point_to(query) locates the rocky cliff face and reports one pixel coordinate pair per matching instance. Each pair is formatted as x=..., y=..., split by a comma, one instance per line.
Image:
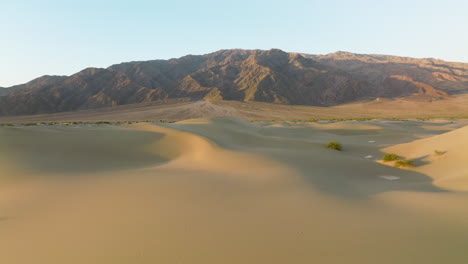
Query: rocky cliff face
x=242, y=75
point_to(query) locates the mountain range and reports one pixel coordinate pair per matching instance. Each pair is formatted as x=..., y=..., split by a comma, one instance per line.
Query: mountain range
x=271, y=76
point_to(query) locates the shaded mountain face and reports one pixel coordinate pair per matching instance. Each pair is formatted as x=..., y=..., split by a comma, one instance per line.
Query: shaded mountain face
x=4, y=91
x=43, y=81
x=242, y=75
x=393, y=76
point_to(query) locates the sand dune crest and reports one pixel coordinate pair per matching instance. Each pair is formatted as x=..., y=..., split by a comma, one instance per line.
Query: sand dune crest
x=449, y=168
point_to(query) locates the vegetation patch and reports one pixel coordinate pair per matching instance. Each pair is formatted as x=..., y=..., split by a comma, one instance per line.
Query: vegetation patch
x=439, y=152
x=334, y=145
x=70, y=123
x=404, y=163
x=102, y=123
x=390, y=157
x=313, y=120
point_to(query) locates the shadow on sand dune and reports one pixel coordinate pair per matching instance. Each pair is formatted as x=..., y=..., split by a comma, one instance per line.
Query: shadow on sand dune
x=79, y=150
x=356, y=179
x=340, y=173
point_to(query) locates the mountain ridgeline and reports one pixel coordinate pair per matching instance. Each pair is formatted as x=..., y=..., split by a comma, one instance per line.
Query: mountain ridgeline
x=242, y=75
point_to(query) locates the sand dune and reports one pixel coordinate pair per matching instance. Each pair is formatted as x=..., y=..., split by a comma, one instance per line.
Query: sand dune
x=448, y=167
x=226, y=191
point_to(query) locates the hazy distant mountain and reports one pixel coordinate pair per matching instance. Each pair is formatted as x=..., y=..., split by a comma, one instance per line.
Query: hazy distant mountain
x=242, y=75
x=4, y=91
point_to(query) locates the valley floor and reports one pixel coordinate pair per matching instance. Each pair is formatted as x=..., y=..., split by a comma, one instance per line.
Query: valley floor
x=224, y=190
x=177, y=110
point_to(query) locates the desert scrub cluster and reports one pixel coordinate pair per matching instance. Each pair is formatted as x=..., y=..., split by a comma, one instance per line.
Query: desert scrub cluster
x=404, y=163
x=390, y=157
x=70, y=123
x=102, y=123
x=439, y=152
x=334, y=145
x=398, y=161
x=313, y=120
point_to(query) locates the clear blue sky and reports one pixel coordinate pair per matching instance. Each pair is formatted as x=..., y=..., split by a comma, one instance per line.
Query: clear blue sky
x=63, y=37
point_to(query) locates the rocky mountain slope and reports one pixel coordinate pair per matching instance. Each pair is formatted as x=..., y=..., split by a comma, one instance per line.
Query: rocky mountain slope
x=241, y=75
x=389, y=72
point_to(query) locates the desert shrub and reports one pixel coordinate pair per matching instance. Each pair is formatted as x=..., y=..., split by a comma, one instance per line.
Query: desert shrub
x=390, y=157
x=439, y=152
x=102, y=123
x=404, y=163
x=6, y=124
x=334, y=145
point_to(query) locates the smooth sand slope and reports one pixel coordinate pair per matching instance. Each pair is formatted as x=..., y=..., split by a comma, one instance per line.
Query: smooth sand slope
x=444, y=158
x=228, y=191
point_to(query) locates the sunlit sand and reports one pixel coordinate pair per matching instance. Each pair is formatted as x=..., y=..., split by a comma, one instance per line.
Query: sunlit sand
x=227, y=191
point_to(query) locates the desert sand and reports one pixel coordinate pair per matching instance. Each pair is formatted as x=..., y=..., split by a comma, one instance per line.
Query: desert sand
x=222, y=190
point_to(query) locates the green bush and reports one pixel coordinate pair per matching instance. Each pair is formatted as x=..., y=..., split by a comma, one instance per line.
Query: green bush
x=404, y=163
x=390, y=157
x=334, y=145
x=439, y=152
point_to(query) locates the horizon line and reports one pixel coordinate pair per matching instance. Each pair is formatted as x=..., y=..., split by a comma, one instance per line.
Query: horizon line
x=243, y=49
